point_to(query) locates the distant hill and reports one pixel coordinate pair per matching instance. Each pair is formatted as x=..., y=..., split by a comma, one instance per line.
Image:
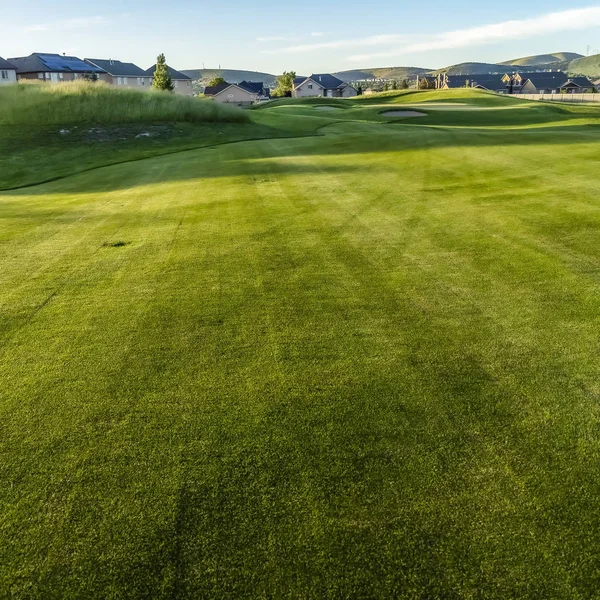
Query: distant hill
x=543, y=59
x=588, y=66
x=203, y=76
x=472, y=68
x=397, y=73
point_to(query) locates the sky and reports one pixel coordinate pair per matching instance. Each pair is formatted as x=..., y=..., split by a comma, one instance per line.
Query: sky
x=308, y=36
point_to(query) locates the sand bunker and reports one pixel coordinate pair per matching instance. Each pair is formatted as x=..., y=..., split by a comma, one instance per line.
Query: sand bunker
x=403, y=113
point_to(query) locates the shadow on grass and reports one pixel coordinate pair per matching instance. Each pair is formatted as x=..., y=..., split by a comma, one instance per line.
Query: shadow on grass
x=253, y=158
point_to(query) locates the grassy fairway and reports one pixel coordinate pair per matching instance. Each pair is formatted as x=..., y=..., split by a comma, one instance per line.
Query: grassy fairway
x=361, y=364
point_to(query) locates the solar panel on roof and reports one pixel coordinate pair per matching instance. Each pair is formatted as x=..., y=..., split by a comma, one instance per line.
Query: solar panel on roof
x=67, y=63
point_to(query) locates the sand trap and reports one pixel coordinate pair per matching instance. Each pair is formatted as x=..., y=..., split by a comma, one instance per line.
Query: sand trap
x=403, y=113
x=326, y=108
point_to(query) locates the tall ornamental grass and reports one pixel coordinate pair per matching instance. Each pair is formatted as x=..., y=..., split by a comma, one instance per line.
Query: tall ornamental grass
x=86, y=102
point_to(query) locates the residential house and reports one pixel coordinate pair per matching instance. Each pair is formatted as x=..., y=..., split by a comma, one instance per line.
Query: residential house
x=546, y=82
x=182, y=84
x=122, y=74
x=240, y=94
x=8, y=72
x=492, y=83
x=322, y=85
x=55, y=68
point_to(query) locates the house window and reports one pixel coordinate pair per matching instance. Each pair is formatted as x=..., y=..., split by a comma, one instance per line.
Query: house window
x=4, y=74
x=139, y=81
x=40, y=76
x=230, y=95
x=119, y=81
x=310, y=86
x=61, y=75
x=176, y=84
x=125, y=80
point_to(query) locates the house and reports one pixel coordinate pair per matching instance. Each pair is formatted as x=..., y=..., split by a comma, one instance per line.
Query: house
x=322, y=85
x=492, y=83
x=578, y=85
x=8, y=72
x=182, y=84
x=122, y=74
x=240, y=94
x=55, y=68
x=546, y=82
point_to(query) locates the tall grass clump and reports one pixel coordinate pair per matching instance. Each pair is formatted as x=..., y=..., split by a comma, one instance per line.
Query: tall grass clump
x=85, y=102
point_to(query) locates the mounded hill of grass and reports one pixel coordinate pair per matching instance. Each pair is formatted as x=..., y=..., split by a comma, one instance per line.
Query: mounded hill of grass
x=588, y=66
x=543, y=59
x=83, y=102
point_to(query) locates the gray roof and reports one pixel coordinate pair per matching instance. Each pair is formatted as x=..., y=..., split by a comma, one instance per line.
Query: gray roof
x=254, y=87
x=4, y=64
x=583, y=82
x=213, y=90
x=329, y=82
x=54, y=63
x=172, y=72
x=488, y=82
x=117, y=68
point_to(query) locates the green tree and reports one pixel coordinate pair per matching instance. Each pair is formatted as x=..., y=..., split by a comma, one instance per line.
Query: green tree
x=162, y=79
x=394, y=85
x=359, y=90
x=216, y=81
x=404, y=84
x=285, y=84
x=424, y=83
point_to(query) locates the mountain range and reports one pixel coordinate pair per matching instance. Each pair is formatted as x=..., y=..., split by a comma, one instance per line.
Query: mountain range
x=569, y=62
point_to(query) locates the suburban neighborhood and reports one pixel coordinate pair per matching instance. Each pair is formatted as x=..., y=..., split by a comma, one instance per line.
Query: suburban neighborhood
x=57, y=68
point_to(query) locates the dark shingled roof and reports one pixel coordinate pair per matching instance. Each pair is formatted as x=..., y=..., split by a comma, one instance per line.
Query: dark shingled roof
x=488, y=82
x=545, y=81
x=172, y=72
x=6, y=66
x=299, y=80
x=329, y=82
x=254, y=87
x=53, y=63
x=583, y=82
x=117, y=68
x=213, y=90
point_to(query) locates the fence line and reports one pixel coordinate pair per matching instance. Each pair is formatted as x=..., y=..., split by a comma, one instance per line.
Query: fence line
x=560, y=97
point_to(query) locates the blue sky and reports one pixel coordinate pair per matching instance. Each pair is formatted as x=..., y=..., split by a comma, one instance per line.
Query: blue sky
x=305, y=36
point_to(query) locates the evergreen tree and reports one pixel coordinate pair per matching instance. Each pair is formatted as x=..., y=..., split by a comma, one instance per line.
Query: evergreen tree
x=394, y=85
x=162, y=79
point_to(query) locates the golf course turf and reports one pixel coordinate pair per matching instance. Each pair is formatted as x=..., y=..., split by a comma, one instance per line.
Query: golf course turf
x=357, y=358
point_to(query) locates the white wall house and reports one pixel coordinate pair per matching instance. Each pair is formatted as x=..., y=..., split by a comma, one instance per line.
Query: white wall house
x=8, y=72
x=323, y=85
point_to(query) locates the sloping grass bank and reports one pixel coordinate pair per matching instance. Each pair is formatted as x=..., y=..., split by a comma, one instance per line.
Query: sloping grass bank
x=84, y=102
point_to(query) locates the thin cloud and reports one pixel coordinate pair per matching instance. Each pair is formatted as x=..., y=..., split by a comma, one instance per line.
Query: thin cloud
x=274, y=38
x=66, y=25
x=567, y=20
x=376, y=40
x=318, y=34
